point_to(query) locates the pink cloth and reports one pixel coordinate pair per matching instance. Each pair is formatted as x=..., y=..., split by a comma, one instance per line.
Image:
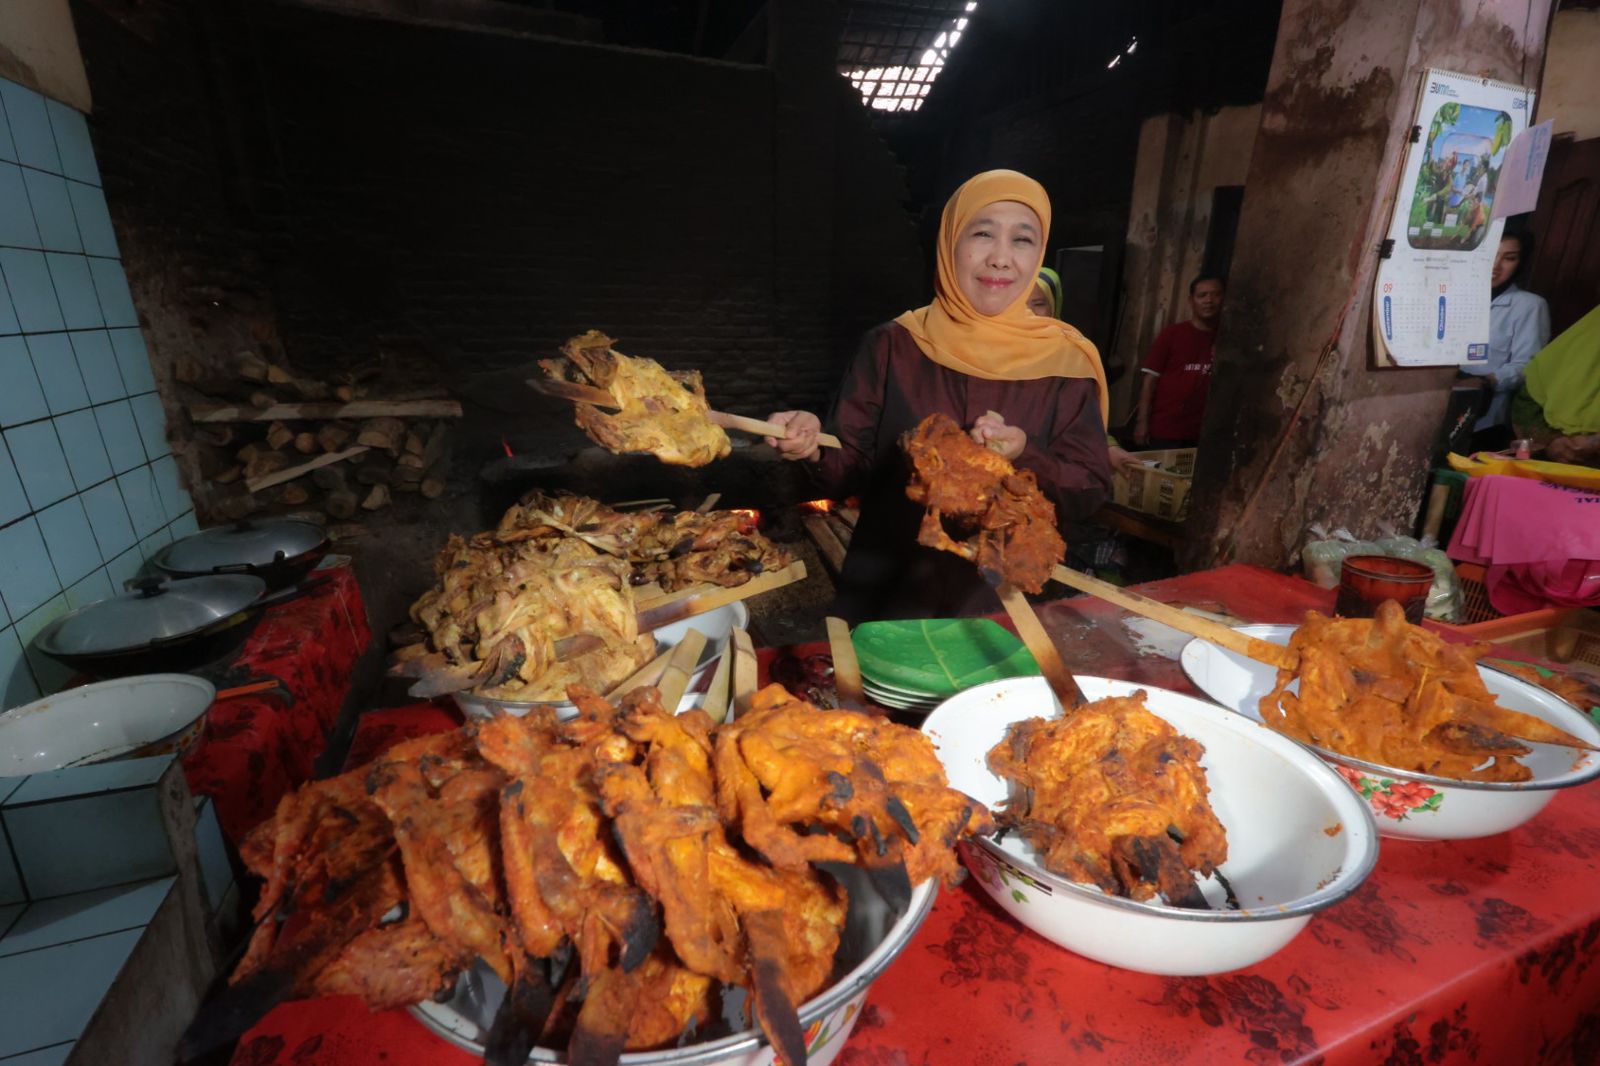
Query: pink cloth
x=1540, y=542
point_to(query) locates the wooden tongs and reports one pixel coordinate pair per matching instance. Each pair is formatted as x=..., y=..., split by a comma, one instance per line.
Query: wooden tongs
x=571, y=390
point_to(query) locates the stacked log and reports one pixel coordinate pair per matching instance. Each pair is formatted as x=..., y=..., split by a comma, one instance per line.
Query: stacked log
x=275, y=441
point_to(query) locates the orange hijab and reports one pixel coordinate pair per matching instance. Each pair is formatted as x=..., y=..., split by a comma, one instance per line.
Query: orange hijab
x=1016, y=344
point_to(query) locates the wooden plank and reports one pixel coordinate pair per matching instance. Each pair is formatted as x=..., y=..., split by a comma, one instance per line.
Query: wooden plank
x=257, y=484
x=827, y=543
x=708, y=598
x=290, y=412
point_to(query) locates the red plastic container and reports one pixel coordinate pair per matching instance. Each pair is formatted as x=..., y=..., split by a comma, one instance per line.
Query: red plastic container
x=1365, y=581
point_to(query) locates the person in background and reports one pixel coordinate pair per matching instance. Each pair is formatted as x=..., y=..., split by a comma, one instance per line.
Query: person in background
x=1045, y=300
x=1030, y=387
x=1172, y=396
x=1558, y=404
x=1519, y=325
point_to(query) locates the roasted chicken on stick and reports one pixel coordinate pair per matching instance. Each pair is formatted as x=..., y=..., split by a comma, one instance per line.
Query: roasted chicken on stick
x=1393, y=693
x=981, y=507
x=662, y=413
x=1110, y=795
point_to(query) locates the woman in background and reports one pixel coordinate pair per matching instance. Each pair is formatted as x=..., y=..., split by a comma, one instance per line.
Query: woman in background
x=1028, y=385
x=1045, y=300
x=1519, y=325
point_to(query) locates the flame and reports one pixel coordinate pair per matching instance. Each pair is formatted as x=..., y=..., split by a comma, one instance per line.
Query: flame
x=751, y=519
x=819, y=506
x=507, y=446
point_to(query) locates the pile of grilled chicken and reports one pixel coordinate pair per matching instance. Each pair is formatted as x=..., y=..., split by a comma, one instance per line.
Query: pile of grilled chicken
x=658, y=412
x=1110, y=795
x=560, y=567
x=618, y=871
x=997, y=515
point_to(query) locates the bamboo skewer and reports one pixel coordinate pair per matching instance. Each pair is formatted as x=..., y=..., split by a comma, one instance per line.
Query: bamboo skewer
x=1040, y=646
x=702, y=598
x=762, y=428
x=570, y=390
x=742, y=685
x=846, y=668
x=717, y=693
x=1183, y=621
x=648, y=674
x=680, y=667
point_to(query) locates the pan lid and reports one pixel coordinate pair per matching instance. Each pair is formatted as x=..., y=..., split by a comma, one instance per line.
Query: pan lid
x=243, y=544
x=152, y=610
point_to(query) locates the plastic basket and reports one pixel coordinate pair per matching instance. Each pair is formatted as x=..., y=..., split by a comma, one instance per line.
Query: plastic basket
x=1161, y=490
x=1557, y=634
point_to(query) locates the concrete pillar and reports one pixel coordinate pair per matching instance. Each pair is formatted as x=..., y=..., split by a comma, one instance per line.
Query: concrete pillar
x=1338, y=106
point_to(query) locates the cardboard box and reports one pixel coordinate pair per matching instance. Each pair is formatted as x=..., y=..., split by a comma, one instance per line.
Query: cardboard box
x=1161, y=489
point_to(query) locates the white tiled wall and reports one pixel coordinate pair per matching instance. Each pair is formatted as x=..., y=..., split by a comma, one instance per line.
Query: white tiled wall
x=88, y=487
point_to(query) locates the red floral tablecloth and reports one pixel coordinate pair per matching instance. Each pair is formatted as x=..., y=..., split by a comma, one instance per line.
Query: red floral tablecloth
x=257, y=747
x=1473, y=951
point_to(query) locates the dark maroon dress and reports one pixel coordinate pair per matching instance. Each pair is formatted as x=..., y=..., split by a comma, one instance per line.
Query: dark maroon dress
x=889, y=387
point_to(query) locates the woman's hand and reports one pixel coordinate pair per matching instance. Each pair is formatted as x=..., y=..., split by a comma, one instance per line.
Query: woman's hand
x=991, y=429
x=1121, y=459
x=801, y=441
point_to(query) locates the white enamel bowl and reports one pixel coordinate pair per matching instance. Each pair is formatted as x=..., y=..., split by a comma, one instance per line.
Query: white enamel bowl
x=717, y=625
x=130, y=716
x=1412, y=805
x=873, y=937
x=1298, y=839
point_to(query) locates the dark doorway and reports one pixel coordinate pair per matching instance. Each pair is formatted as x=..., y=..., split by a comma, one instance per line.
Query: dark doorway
x=1226, y=201
x=1566, y=228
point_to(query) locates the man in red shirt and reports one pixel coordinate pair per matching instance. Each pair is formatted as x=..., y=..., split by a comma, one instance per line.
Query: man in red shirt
x=1172, y=396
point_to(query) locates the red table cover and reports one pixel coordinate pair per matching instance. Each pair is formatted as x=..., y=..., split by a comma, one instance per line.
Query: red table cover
x=258, y=747
x=1472, y=951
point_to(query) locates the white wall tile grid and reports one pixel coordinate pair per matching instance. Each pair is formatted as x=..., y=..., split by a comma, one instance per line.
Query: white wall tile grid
x=88, y=487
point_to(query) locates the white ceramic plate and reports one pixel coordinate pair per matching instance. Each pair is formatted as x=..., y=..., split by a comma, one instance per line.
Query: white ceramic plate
x=94, y=723
x=1413, y=805
x=1298, y=839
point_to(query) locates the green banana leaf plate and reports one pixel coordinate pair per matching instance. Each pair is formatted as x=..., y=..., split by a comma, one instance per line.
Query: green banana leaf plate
x=939, y=656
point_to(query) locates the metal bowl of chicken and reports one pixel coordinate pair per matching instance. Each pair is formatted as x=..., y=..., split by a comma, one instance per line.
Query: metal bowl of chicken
x=717, y=625
x=873, y=937
x=1298, y=840
x=1407, y=803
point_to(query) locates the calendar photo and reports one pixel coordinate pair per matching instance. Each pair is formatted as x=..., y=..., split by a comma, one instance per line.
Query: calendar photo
x=1451, y=205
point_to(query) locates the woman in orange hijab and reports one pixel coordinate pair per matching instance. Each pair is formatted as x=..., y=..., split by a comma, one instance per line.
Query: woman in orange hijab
x=974, y=350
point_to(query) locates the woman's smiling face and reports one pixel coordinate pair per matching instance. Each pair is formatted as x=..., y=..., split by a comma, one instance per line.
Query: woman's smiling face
x=997, y=255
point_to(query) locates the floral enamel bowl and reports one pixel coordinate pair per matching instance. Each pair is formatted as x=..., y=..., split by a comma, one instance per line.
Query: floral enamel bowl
x=1413, y=805
x=1298, y=839
x=873, y=937
x=717, y=625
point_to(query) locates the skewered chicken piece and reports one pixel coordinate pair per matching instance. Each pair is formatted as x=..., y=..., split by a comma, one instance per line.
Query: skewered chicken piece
x=981, y=507
x=804, y=786
x=1393, y=693
x=1111, y=795
x=662, y=413
x=742, y=922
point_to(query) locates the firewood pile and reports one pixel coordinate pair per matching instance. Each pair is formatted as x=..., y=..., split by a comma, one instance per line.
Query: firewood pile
x=272, y=441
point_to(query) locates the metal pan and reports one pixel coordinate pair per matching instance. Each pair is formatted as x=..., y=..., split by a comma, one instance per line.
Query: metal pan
x=279, y=552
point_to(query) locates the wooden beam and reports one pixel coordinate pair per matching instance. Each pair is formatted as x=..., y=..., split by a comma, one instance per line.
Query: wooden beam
x=269, y=480
x=291, y=412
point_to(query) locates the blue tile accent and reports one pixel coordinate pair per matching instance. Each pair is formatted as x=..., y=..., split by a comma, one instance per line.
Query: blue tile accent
x=95, y=587
x=57, y=367
x=155, y=542
x=174, y=499
x=144, y=502
x=49, y=674
x=9, y=913
x=30, y=127
x=27, y=579
x=184, y=525
x=75, y=289
x=85, y=914
x=108, y=517
x=94, y=219
x=17, y=687
x=94, y=780
x=72, y=140
x=52, y=994
x=152, y=419
x=33, y=295
x=40, y=463
x=124, y=568
x=70, y=540
x=13, y=500
x=121, y=434
x=8, y=151
x=21, y=398
x=8, y=314
x=112, y=285
x=98, y=364
x=52, y=210
x=17, y=228
x=86, y=454
x=133, y=360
